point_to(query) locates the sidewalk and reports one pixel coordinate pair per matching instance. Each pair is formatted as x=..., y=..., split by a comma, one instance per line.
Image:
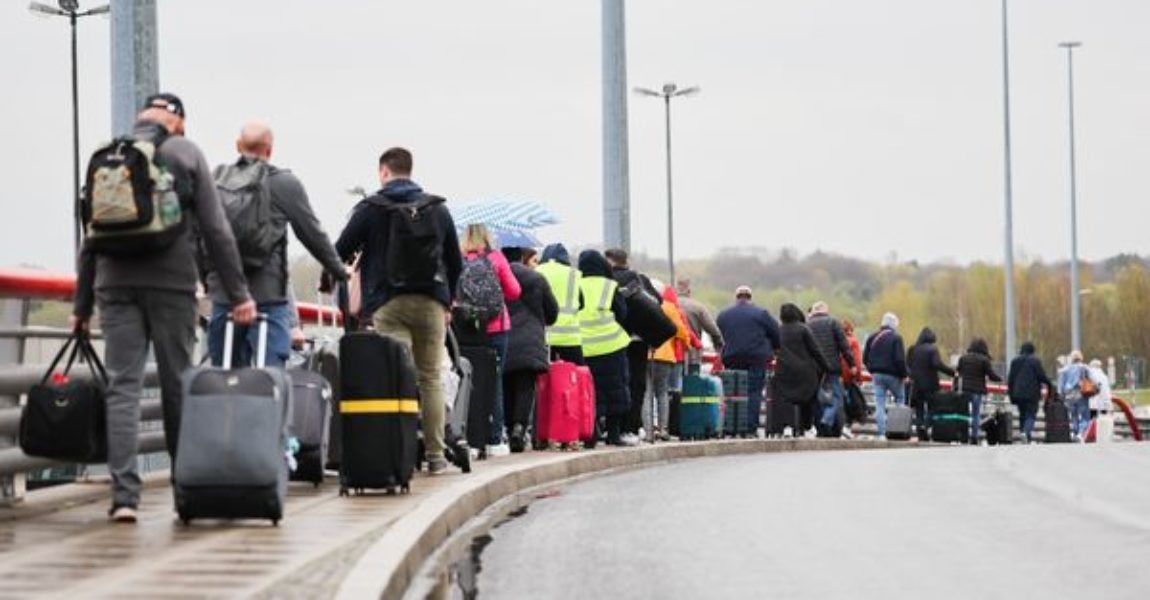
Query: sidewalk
x=60, y=543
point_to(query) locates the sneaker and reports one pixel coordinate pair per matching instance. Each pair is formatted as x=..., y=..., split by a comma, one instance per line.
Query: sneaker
x=788, y=432
x=628, y=439
x=811, y=433
x=436, y=466
x=880, y=437
x=518, y=441
x=122, y=514
x=847, y=435
x=497, y=450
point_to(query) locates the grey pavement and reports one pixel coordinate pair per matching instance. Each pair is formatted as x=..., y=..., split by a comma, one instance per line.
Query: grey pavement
x=1058, y=521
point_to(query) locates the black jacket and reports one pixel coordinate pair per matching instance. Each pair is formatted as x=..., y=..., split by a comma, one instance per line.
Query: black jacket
x=974, y=368
x=367, y=231
x=799, y=366
x=884, y=353
x=535, y=309
x=925, y=364
x=1027, y=377
x=831, y=340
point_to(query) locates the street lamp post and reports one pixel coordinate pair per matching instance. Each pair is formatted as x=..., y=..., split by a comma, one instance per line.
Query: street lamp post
x=1075, y=295
x=71, y=9
x=670, y=90
x=1008, y=192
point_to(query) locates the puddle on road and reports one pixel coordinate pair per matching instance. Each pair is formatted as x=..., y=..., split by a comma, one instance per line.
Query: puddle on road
x=459, y=579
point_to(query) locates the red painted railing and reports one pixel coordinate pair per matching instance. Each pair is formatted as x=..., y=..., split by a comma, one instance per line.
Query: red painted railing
x=46, y=285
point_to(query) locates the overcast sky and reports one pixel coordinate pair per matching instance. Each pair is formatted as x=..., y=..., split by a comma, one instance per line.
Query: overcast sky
x=863, y=127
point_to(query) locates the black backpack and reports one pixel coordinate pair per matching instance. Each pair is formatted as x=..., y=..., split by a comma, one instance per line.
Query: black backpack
x=480, y=293
x=414, y=254
x=130, y=205
x=246, y=199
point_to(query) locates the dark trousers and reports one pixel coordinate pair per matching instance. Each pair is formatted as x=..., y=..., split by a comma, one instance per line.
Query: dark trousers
x=920, y=400
x=571, y=354
x=637, y=359
x=807, y=411
x=519, y=398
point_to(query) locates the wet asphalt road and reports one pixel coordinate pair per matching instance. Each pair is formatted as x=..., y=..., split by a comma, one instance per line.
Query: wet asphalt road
x=1016, y=522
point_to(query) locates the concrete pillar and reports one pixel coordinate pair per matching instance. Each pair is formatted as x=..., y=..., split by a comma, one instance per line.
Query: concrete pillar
x=616, y=183
x=135, y=67
x=13, y=315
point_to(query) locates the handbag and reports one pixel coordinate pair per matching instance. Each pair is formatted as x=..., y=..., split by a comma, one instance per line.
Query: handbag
x=856, y=403
x=64, y=418
x=826, y=392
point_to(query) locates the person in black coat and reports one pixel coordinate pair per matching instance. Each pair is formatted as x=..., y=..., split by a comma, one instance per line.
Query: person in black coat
x=924, y=364
x=527, y=357
x=611, y=371
x=1024, y=383
x=799, y=366
x=974, y=368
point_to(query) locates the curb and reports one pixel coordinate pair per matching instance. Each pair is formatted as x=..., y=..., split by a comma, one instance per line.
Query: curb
x=387, y=568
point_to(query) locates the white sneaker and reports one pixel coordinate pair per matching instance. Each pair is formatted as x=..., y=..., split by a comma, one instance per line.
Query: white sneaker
x=788, y=433
x=629, y=439
x=811, y=433
x=881, y=438
x=847, y=435
x=497, y=450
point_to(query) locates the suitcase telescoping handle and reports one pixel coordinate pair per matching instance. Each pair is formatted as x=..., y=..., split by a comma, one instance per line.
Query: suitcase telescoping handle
x=261, y=345
x=453, y=351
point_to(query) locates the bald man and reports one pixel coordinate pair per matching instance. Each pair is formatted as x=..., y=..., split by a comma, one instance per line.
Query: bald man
x=278, y=195
x=150, y=300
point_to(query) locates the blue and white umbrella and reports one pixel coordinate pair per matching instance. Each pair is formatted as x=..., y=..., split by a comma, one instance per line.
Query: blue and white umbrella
x=511, y=222
x=505, y=214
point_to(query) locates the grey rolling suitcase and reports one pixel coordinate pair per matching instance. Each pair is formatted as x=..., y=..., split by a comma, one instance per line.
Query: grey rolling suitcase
x=310, y=423
x=899, y=422
x=230, y=460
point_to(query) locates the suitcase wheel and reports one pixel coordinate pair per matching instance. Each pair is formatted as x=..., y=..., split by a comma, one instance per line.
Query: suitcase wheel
x=343, y=492
x=275, y=522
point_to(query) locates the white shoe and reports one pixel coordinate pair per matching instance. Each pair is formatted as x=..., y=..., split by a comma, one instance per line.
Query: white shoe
x=811, y=433
x=847, y=435
x=881, y=438
x=497, y=450
x=629, y=439
x=788, y=433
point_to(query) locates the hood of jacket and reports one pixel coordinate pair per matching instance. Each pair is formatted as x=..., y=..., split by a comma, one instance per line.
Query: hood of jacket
x=670, y=295
x=557, y=253
x=926, y=337
x=1027, y=349
x=401, y=190
x=593, y=264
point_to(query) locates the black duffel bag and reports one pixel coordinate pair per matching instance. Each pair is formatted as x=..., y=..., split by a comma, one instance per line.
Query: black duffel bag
x=65, y=418
x=645, y=316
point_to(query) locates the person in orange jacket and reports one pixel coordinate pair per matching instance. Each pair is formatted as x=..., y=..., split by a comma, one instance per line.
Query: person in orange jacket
x=666, y=367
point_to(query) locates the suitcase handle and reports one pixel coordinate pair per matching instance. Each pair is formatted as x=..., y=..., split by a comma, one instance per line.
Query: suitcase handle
x=261, y=345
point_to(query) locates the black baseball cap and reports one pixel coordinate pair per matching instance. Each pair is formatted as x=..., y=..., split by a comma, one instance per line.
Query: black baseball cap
x=168, y=102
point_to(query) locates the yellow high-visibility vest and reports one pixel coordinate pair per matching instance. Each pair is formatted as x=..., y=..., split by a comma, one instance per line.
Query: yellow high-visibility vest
x=564, y=282
x=601, y=333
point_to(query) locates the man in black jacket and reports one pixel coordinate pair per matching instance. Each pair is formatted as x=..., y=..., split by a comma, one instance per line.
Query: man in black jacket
x=885, y=357
x=832, y=345
x=638, y=353
x=925, y=364
x=531, y=314
x=1024, y=384
x=415, y=311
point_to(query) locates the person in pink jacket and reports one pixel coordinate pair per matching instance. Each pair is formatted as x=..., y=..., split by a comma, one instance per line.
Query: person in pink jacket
x=476, y=244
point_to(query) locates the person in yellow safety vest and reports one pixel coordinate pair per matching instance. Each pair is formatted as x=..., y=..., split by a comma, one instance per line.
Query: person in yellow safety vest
x=605, y=344
x=563, y=336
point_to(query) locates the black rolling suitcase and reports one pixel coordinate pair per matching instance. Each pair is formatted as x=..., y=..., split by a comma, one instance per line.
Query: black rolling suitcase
x=378, y=413
x=233, y=434
x=310, y=423
x=1057, y=422
x=780, y=415
x=674, y=408
x=949, y=417
x=999, y=428
x=484, y=373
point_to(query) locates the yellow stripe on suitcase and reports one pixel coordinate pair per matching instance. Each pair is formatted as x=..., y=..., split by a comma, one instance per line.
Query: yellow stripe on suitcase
x=379, y=405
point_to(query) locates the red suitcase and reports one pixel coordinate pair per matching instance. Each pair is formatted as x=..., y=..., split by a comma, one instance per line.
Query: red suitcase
x=558, y=410
x=586, y=399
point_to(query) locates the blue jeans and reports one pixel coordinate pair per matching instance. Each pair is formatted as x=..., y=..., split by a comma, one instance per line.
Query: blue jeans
x=675, y=377
x=1080, y=415
x=976, y=416
x=246, y=339
x=1027, y=414
x=839, y=393
x=883, y=384
x=756, y=382
x=499, y=342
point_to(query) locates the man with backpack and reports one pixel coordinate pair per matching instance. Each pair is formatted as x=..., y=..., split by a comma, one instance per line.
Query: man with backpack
x=260, y=200
x=138, y=266
x=410, y=265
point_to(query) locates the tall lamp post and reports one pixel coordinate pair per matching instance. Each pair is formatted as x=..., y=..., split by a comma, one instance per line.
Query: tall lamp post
x=1075, y=295
x=1009, y=192
x=670, y=90
x=71, y=9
